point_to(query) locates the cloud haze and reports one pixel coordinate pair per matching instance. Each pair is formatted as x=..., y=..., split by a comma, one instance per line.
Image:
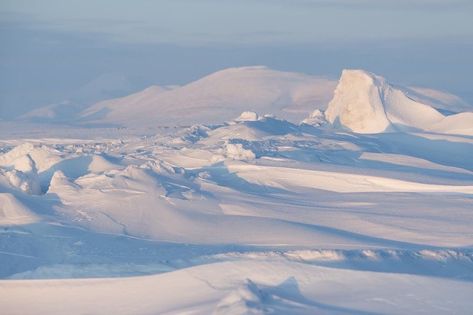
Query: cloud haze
x=52, y=48
x=249, y=22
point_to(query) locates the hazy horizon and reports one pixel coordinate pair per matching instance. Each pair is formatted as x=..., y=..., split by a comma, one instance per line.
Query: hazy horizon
x=52, y=50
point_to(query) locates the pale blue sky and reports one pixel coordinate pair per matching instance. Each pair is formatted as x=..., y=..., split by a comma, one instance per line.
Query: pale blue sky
x=246, y=21
x=50, y=48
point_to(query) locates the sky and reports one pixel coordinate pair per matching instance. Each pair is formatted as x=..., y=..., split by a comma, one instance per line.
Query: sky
x=54, y=50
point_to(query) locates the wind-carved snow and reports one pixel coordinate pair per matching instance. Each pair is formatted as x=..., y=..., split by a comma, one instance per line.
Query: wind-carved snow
x=251, y=215
x=237, y=152
x=316, y=118
x=13, y=212
x=366, y=103
x=247, y=116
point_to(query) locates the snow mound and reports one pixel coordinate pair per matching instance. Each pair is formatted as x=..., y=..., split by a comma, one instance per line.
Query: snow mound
x=60, y=184
x=315, y=119
x=247, y=298
x=461, y=123
x=42, y=156
x=236, y=151
x=77, y=166
x=247, y=116
x=251, y=130
x=365, y=103
x=99, y=164
x=358, y=104
x=440, y=100
x=21, y=173
x=13, y=212
x=25, y=164
x=27, y=182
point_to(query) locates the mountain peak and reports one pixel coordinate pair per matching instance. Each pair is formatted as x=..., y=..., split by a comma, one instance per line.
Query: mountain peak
x=217, y=97
x=366, y=103
x=357, y=102
x=360, y=73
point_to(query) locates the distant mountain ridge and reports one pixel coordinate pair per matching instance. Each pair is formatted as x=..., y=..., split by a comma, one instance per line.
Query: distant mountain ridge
x=363, y=102
x=219, y=96
x=105, y=86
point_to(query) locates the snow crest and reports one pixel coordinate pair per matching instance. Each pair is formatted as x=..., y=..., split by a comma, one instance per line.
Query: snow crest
x=365, y=103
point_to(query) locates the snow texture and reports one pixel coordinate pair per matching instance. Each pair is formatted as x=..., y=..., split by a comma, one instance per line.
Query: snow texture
x=366, y=103
x=364, y=208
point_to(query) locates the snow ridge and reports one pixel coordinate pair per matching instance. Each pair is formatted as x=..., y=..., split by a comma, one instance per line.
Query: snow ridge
x=365, y=103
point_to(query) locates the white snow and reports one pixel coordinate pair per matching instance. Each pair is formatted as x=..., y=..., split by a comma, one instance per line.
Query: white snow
x=366, y=103
x=334, y=181
x=248, y=116
x=26, y=182
x=315, y=119
x=13, y=212
x=237, y=152
x=242, y=287
x=42, y=157
x=253, y=215
x=218, y=97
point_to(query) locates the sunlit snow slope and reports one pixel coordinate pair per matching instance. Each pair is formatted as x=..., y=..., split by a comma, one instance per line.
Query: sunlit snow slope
x=366, y=103
x=217, y=97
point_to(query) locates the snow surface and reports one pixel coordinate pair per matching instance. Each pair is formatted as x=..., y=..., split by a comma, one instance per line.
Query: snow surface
x=252, y=214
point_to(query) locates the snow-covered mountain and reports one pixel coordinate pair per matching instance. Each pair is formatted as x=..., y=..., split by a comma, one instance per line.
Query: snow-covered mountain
x=217, y=97
x=105, y=86
x=365, y=103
